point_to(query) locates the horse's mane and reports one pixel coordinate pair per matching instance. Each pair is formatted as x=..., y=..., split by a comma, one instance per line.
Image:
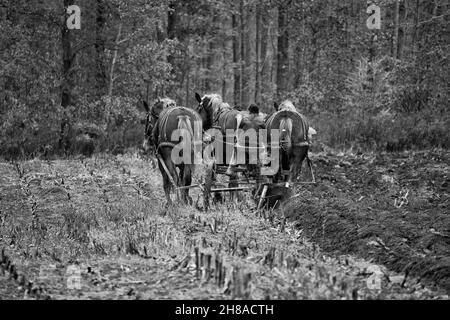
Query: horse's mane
x=215, y=101
x=288, y=106
x=168, y=103
x=216, y=106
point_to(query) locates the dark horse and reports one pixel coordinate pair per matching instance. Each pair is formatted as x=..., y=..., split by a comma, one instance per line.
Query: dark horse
x=218, y=115
x=162, y=121
x=294, y=140
x=152, y=117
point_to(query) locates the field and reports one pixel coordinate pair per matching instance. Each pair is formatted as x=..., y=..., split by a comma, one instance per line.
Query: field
x=384, y=217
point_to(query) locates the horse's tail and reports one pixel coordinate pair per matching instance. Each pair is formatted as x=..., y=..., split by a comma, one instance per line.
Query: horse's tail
x=286, y=132
x=233, y=161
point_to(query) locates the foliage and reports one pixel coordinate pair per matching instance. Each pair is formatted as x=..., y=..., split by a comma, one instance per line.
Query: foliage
x=341, y=75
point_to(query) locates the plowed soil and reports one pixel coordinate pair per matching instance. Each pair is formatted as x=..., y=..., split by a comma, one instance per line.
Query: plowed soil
x=373, y=227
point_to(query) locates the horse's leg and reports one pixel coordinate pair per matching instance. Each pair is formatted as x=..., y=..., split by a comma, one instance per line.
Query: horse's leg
x=310, y=165
x=286, y=165
x=170, y=166
x=233, y=184
x=187, y=180
x=299, y=155
x=230, y=171
x=167, y=185
x=181, y=167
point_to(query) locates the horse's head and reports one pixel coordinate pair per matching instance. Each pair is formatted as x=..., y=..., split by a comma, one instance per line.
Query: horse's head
x=152, y=117
x=205, y=110
x=286, y=105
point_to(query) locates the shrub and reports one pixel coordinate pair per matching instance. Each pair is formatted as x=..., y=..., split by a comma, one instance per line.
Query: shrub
x=102, y=126
x=25, y=131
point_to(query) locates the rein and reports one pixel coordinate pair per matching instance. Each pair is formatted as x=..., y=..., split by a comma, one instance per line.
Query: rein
x=154, y=115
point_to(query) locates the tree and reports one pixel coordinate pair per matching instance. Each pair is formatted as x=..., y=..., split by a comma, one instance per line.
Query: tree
x=282, y=47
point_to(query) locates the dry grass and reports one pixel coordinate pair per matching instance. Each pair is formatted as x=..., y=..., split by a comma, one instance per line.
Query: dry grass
x=107, y=215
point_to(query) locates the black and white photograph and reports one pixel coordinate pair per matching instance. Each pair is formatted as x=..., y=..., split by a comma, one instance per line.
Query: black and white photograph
x=224, y=155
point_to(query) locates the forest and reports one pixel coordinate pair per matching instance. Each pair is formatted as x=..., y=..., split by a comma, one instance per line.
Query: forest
x=85, y=211
x=68, y=91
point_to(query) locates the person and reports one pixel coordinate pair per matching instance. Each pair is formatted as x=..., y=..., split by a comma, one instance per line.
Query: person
x=253, y=110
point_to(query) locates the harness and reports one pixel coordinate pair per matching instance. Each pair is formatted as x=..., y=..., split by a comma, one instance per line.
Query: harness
x=154, y=115
x=219, y=119
x=218, y=114
x=161, y=125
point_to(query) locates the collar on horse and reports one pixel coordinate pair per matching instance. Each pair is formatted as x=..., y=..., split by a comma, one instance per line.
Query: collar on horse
x=162, y=123
x=217, y=113
x=154, y=115
x=223, y=111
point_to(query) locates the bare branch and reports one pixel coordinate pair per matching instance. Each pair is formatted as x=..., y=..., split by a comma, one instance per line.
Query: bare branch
x=432, y=19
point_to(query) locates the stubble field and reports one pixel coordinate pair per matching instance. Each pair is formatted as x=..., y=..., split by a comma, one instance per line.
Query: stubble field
x=383, y=218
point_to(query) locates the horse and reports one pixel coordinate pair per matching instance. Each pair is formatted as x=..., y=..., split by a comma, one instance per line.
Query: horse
x=170, y=118
x=152, y=117
x=219, y=115
x=294, y=140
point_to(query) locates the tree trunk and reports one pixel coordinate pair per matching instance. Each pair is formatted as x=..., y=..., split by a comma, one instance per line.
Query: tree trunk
x=272, y=47
x=113, y=62
x=250, y=55
x=100, y=73
x=66, y=83
x=236, y=68
x=171, y=20
x=416, y=24
x=265, y=63
x=258, y=55
x=209, y=76
x=396, y=27
x=403, y=12
x=67, y=59
x=416, y=41
x=283, y=57
x=372, y=55
x=188, y=89
x=225, y=49
x=242, y=52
